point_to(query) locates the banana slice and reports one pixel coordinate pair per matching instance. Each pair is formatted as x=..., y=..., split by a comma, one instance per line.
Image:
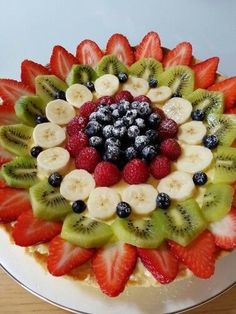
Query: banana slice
x=178, y=109
x=160, y=94
x=78, y=94
x=102, y=202
x=192, y=132
x=136, y=86
x=52, y=160
x=106, y=85
x=59, y=111
x=194, y=158
x=141, y=197
x=77, y=185
x=48, y=135
x=178, y=185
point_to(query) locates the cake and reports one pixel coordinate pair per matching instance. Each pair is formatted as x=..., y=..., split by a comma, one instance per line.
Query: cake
x=118, y=166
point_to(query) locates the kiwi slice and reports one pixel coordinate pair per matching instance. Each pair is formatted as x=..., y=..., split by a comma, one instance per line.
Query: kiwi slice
x=179, y=78
x=27, y=108
x=47, y=202
x=110, y=65
x=47, y=87
x=217, y=201
x=85, y=232
x=223, y=126
x=16, y=138
x=225, y=164
x=81, y=74
x=146, y=68
x=209, y=102
x=20, y=172
x=184, y=222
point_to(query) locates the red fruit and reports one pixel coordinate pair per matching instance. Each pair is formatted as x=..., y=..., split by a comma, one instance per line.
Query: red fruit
x=181, y=54
x=171, y=149
x=150, y=47
x=106, y=174
x=160, y=112
x=87, y=108
x=123, y=95
x=29, y=71
x=89, y=53
x=61, y=62
x=87, y=159
x=76, y=142
x=231, y=110
x=63, y=256
x=3, y=185
x=228, y=87
x=119, y=46
x=142, y=98
x=160, y=262
x=113, y=265
x=160, y=167
x=135, y=172
x=234, y=196
x=30, y=230
x=205, y=72
x=168, y=128
x=13, y=202
x=77, y=124
x=4, y=156
x=198, y=256
x=107, y=100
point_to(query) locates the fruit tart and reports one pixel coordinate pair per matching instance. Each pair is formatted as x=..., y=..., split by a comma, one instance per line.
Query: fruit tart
x=118, y=166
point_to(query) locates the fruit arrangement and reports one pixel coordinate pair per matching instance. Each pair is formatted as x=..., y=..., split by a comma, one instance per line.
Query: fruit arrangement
x=120, y=158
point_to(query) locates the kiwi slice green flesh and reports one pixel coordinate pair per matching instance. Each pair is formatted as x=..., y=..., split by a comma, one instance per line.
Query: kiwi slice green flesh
x=223, y=126
x=179, y=78
x=146, y=68
x=85, y=232
x=209, y=102
x=110, y=65
x=81, y=74
x=21, y=172
x=184, y=222
x=47, y=87
x=16, y=138
x=217, y=201
x=225, y=164
x=27, y=108
x=47, y=202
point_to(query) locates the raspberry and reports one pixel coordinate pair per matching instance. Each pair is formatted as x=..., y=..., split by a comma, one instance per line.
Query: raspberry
x=135, y=172
x=76, y=142
x=168, y=128
x=106, y=174
x=160, y=167
x=87, y=108
x=76, y=124
x=171, y=149
x=105, y=100
x=123, y=95
x=87, y=159
x=159, y=111
x=142, y=98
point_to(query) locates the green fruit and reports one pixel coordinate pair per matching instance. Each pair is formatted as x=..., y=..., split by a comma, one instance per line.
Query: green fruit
x=179, y=78
x=110, y=65
x=217, y=201
x=85, y=232
x=47, y=202
x=146, y=68
x=225, y=164
x=20, y=172
x=16, y=138
x=81, y=74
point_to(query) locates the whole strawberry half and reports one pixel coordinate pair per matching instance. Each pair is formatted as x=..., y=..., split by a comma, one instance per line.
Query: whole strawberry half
x=150, y=47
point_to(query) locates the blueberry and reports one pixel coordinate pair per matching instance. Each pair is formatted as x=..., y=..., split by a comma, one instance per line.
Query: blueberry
x=148, y=153
x=133, y=131
x=130, y=153
x=210, y=141
x=35, y=151
x=123, y=107
x=112, y=153
x=116, y=114
x=140, y=142
x=93, y=128
x=55, y=179
x=41, y=119
x=122, y=77
x=152, y=135
x=119, y=131
x=153, y=83
x=111, y=141
x=90, y=86
x=113, y=106
x=123, y=210
x=154, y=120
x=198, y=115
x=135, y=104
x=93, y=116
x=177, y=94
x=144, y=109
x=78, y=206
x=60, y=94
x=118, y=123
x=130, y=116
x=104, y=115
x=163, y=201
x=140, y=123
x=96, y=142
x=200, y=178
x=107, y=131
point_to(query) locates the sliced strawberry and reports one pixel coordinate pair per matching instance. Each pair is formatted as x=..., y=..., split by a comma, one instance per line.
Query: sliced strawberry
x=4, y=156
x=228, y=87
x=198, y=256
x=119, y=46
x=89, y=53
x=3, y=183
x=181, y=54
x=160, y=262
x=234, y=186
x=29, y=71
x=30, y=230
x=150, y=47
x=61, y=62
x=63, y=256
x=231, y=111
x=13, y=202
x=113, y=265
x=205, y=72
